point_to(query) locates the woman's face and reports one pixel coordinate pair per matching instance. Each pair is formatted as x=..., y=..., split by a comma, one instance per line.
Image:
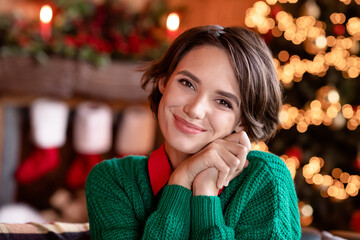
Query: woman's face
x=200, y=102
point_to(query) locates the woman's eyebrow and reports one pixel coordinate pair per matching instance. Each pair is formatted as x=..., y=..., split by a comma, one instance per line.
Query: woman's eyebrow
x=190, y=75
x=229, y=95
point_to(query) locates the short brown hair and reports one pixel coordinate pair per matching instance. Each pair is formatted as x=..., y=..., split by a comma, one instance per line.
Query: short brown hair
x=260, y=89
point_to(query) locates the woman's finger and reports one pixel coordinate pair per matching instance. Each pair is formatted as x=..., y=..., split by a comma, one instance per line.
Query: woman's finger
x=241, y=138
x=233, y=164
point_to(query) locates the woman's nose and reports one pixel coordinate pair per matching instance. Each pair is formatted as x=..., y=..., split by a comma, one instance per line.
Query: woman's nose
x=196, y=107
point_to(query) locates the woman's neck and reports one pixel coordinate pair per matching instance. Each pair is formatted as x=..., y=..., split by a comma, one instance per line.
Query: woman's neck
x=175, y=157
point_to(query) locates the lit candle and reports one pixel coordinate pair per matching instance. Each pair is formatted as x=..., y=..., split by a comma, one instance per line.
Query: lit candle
x=46, y=15
x=172, y=24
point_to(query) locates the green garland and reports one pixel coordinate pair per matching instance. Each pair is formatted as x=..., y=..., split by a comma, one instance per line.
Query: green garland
x=85, y=31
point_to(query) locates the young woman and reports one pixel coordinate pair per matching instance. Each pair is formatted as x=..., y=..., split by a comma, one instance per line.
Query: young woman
x=213, y=92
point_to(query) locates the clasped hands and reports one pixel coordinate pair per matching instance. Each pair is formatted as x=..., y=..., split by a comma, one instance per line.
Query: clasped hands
x=214, y=166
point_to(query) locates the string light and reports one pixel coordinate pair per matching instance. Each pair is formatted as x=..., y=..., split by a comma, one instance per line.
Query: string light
x=337, y=18
x=260, y=146
x=292, y=164
x=347, y=2
x=321, y=42
x=323, y=110
x=290, y=116
x=306, y=213
x=293, y=70
x=332, y=185
x=311, y=32
x=339, y=52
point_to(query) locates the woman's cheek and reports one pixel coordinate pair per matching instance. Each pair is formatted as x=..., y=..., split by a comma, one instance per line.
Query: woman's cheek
x=222, y=124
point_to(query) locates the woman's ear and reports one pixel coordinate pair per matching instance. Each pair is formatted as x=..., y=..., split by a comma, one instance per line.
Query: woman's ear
x=239, y=128
x=162, y=85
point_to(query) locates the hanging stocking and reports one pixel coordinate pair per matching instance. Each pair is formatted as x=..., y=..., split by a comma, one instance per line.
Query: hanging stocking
x=136, y=132
x=37, y=164
x=48, y=125
x=81, y=167
x=92, y=138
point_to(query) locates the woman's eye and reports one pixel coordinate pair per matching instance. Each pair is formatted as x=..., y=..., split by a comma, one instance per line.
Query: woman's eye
x=224, y=103
x=186, y=83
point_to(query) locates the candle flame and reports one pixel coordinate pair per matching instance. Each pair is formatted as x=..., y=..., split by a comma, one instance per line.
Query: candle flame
x=46, y=14
x=173, y=21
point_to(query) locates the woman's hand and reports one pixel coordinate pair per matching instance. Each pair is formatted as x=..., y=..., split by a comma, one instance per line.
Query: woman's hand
x=227, y=156
x=205, y=183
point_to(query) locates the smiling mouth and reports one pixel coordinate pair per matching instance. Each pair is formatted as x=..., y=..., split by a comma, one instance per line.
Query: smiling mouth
x=186, y=127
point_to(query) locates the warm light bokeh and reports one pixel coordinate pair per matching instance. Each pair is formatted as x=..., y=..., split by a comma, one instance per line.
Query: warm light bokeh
x=46, y=14
x=173, y=21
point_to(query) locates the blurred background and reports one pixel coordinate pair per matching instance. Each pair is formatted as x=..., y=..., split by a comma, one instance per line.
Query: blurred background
x=70, y=96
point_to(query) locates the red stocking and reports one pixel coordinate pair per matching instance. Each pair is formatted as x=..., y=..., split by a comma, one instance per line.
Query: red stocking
x=39, y=163
x=81, y=167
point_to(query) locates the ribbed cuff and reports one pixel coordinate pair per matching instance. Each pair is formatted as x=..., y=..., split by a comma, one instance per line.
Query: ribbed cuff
x=175, y=200
x=206, y=212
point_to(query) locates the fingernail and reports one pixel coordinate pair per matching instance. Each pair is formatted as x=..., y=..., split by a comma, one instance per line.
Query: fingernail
x=246, y=164
x=227, y=183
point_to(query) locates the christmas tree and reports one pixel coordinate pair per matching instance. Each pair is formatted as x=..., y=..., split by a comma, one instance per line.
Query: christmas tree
x=316, y=51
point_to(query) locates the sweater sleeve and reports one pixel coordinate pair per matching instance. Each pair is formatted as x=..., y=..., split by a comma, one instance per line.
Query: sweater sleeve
x=171, y=219
x=207, y=220
x=261, y=203
x=114, y=214
x=268, y=207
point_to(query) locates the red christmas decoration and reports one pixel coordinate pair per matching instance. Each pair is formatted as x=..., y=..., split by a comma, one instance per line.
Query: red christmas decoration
x=339, y=29
x=357, y=163
x=275, y=10
x=268, y=37
x=355, y=221
x=39, y=163
x=92, y=138
x=77, y=174
x=295, y=151
x=48, y=122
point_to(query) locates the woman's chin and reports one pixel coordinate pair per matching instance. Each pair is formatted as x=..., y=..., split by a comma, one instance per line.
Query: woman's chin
x=187, y=148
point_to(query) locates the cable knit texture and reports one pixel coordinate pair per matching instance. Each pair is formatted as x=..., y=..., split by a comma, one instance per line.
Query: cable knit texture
x=260, y=203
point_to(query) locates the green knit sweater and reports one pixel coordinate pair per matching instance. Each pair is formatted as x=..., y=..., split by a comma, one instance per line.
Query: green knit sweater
x=260, y=203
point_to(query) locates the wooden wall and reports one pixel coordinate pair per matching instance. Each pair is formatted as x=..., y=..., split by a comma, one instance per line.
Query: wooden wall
x=203, y=12
x=197, y=12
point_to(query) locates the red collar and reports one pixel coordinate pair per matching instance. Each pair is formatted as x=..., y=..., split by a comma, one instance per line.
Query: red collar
x=160, y=169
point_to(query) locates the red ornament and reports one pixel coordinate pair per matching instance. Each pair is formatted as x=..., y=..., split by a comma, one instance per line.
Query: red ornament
x=134, y=43
x=355, y=221
x=294, y=151
x=268, y=37
x=357, y=163
x=275, y=10
x=339, y=29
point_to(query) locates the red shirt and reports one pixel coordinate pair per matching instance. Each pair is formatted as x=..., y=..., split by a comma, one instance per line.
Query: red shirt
x=159, y=169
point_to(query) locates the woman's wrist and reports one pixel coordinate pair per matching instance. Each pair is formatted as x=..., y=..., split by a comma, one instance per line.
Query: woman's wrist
x=204, y=183
x=205, y=191
x=179, y=177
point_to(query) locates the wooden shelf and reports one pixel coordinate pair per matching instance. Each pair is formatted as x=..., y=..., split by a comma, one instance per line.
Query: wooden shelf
x=63, y=78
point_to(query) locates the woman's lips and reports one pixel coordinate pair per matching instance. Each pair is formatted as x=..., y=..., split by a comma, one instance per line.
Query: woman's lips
x=186, y=127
